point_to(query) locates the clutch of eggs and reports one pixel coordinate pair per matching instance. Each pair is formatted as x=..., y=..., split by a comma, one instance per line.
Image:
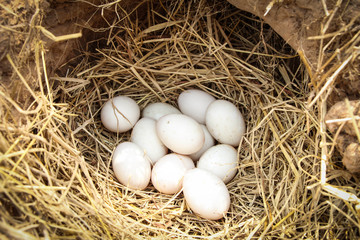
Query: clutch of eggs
x=167, y=143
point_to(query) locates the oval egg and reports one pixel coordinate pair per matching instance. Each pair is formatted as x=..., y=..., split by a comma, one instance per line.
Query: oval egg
x=130, y=166
x=194, y=102
x=225, y=122
x=209, y=142
x=180, y=133
x=167, y=173
x=220, y=160
x=206, y=194
x=120, y=114
x=145, y=136
x=159, y=109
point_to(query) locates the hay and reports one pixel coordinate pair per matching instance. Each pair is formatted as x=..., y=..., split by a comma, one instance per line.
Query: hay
x=56, y=175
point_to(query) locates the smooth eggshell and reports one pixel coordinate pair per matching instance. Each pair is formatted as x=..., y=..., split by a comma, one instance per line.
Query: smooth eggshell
x=194, y=103
x=120, y=114
x=159, y=109
x=225, y=122
x=180, y=133
x=206, y=194
x=221, y=160
x=167, y=173
x=209, y=142
x=144, y=134
x=130, y=166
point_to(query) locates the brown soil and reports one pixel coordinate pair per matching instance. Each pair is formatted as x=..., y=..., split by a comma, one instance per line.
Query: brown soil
x=344, y=123
x=294, y=21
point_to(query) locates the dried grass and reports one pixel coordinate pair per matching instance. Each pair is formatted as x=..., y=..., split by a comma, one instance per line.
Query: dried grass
x=55, y=168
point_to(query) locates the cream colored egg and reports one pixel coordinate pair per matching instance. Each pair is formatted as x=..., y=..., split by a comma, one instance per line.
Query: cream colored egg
x=168, y=173
x=180, y=133
x=120, y=114
x=225, y=122
x=159, y=109
x=144, y=134
x=221, y=160
x=206, y=194
x=194, y=102
x=209, y=142
x=131, y=166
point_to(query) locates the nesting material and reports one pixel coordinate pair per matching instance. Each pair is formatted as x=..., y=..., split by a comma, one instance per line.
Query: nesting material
x=55, y=161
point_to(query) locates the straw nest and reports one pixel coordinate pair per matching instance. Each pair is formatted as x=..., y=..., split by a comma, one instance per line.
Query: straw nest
x=55, y=171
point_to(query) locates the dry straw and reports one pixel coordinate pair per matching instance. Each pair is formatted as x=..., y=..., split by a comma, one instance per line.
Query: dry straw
x=55, y=167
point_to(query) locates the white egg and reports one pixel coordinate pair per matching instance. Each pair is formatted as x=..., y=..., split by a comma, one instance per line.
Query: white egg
x=180, y=133
x=225, y=122
x=120, y=114
x=194, y=103
x=131, y=166
x=144, y=134
x=159, y=109
x=209, y=142
x=206, y=194
x=221, y=160
x=168, y=173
